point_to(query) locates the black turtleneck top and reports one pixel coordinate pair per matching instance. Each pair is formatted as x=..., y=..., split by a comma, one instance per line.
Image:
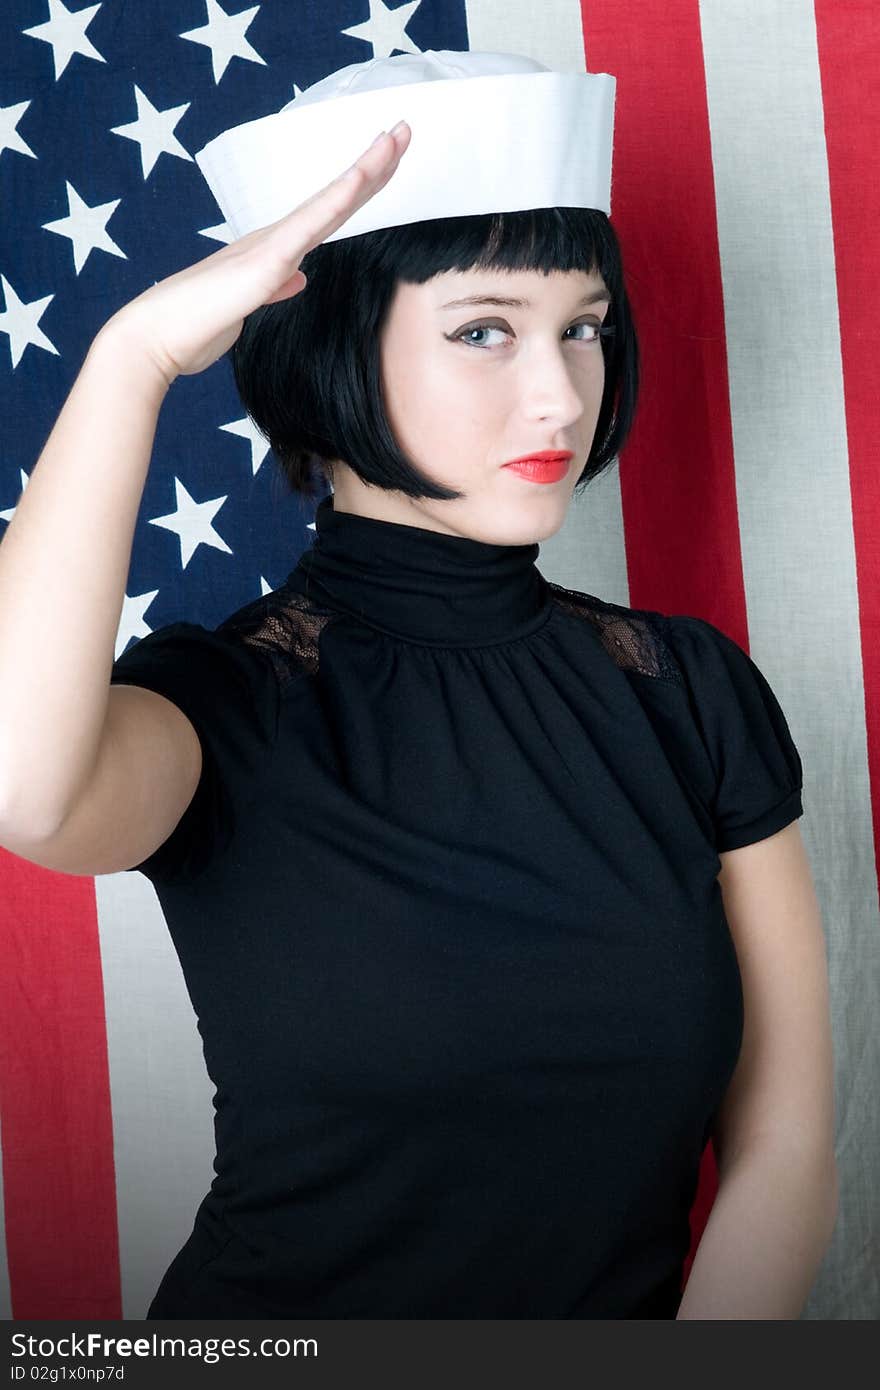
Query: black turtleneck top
x=446, y=904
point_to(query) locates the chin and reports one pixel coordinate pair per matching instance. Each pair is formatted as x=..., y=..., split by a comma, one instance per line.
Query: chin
x=519, y=523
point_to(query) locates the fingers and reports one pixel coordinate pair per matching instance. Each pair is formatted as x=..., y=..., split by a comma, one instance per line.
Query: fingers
x=370, y=172
x=380, y=159
x=376, y=155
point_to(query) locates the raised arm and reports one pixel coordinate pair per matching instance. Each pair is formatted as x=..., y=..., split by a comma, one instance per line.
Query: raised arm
x=65, y=555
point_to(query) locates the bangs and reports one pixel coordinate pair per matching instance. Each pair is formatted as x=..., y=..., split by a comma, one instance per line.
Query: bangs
x=538, y=239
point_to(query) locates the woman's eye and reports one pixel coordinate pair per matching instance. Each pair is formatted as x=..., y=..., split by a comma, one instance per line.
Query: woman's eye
x=593, y=335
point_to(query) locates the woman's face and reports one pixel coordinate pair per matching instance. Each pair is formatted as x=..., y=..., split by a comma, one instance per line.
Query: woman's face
x=467, y=388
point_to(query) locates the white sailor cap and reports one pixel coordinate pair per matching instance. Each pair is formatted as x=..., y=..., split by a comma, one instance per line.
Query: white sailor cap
x=491, y=132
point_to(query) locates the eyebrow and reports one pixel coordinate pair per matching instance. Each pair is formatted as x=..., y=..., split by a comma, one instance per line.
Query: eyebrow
x=502, y=302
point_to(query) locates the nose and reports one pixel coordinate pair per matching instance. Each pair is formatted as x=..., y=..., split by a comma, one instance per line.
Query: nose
x=553, y=388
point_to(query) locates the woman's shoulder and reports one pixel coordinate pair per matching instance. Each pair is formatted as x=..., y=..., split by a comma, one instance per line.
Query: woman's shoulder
x=285, y=627
x=636, y=638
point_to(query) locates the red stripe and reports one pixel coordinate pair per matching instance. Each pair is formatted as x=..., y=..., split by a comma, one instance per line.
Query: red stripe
x=848, y=38
x=677, y=473
x=58, y=1173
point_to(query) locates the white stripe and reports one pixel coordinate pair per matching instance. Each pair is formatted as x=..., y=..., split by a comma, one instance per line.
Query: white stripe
x=792, y=478
x=587, y=552
x=551, y=33
x=161, y=1094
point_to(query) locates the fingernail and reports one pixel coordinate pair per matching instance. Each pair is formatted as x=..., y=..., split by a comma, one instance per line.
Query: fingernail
x=379, y=137
x=395, y=130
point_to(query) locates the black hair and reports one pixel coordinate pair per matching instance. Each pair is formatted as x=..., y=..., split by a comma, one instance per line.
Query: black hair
x=307, y=368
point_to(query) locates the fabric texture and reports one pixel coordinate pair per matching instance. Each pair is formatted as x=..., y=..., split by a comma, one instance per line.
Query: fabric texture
x=446, y=904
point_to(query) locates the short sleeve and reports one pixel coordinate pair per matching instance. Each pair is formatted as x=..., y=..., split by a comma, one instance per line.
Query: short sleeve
x=228, y=690
x=757, y=769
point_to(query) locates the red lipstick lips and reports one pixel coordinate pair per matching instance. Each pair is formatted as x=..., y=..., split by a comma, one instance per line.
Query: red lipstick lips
x=546, y=467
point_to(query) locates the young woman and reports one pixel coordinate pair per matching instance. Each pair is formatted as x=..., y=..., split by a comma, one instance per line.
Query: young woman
x=437, y=841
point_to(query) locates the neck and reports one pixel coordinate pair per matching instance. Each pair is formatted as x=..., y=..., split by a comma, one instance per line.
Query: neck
x=422, y=585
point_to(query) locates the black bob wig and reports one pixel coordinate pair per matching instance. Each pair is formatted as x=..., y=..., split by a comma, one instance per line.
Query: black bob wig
x=307, y=367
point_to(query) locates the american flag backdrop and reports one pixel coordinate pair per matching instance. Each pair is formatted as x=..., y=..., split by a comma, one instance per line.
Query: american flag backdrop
x=746, y=196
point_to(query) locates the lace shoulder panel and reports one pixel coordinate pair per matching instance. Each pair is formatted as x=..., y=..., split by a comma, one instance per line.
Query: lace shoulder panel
x=284, y=626
x=633, y=637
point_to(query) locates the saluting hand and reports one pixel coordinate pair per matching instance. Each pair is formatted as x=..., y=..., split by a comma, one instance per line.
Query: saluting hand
x=185, y=322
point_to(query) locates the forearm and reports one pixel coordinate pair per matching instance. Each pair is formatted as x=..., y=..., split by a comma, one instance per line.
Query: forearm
x=766, y=1237
x=64, y=564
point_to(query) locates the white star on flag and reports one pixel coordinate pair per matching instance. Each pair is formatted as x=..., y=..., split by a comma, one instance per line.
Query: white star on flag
x=65, y=30
x=224, y=34
x=191, y=523
x=86, y=228
x=154, y=131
